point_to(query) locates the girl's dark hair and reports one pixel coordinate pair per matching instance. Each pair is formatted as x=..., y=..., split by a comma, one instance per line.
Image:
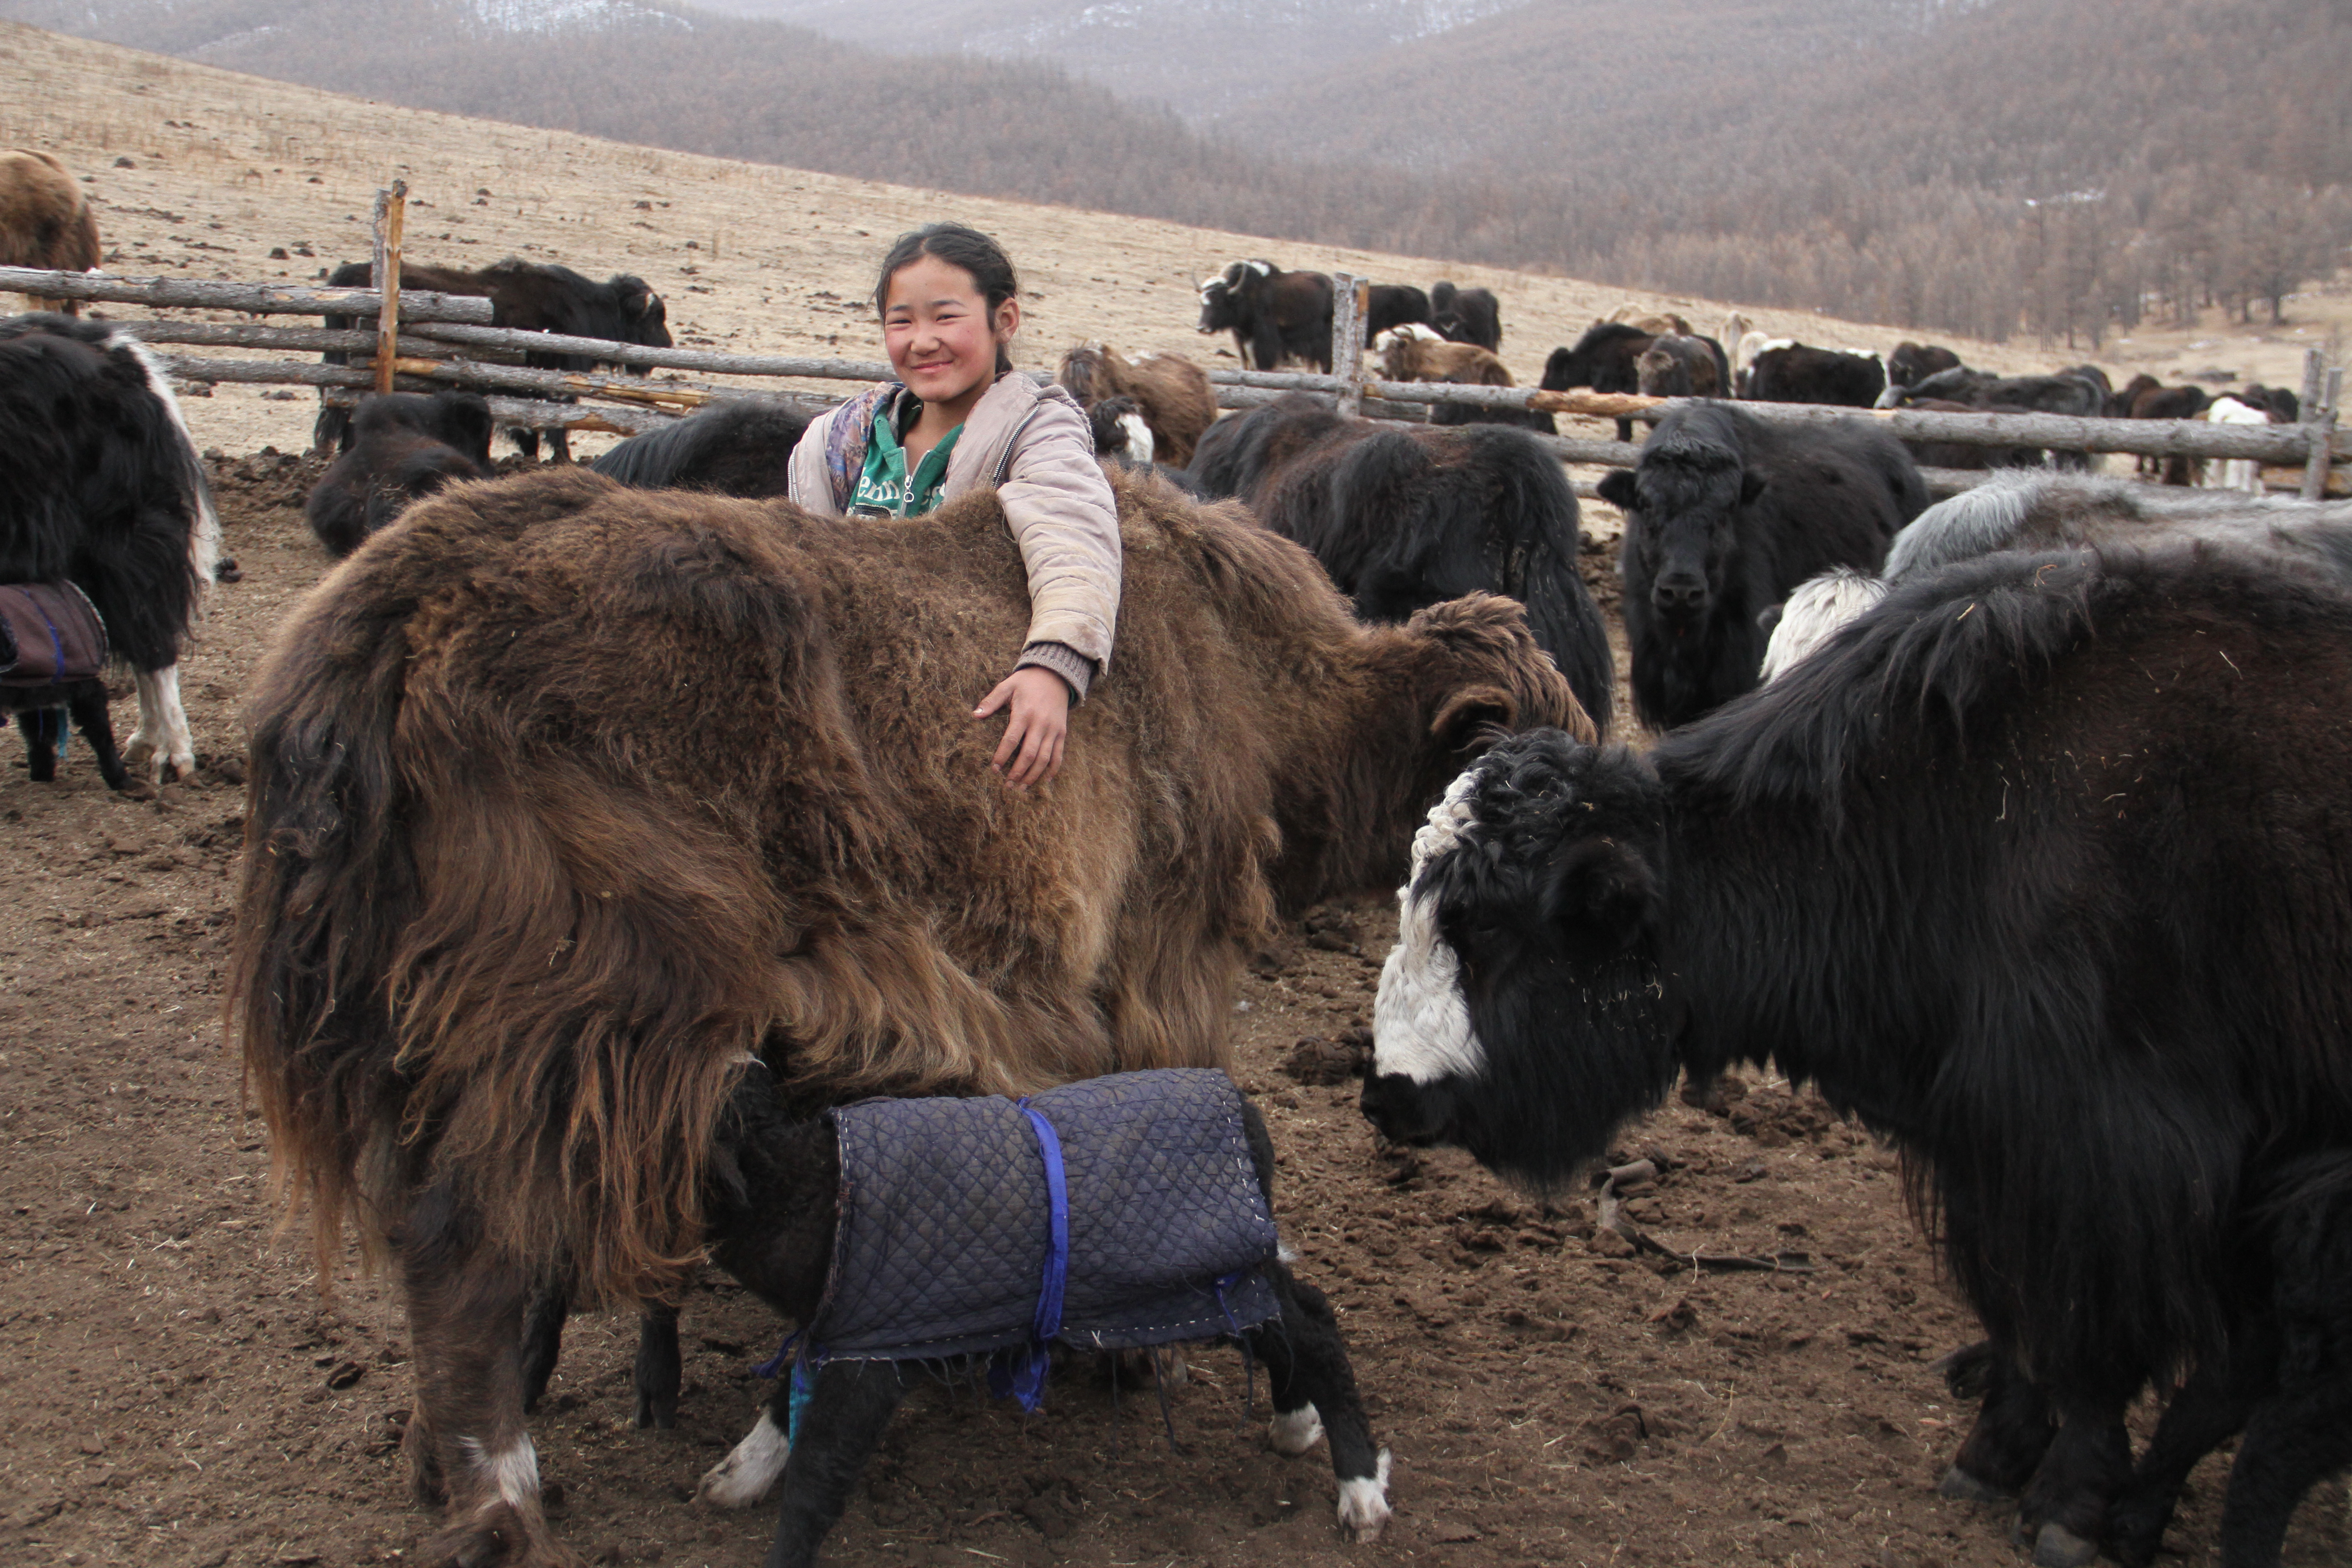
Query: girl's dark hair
x=959, y=246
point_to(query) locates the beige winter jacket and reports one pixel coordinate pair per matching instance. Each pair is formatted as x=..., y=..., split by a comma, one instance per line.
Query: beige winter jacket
x=1033, y=444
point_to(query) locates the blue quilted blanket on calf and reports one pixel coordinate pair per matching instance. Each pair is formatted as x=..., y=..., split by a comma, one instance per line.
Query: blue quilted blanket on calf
x=948, y=1220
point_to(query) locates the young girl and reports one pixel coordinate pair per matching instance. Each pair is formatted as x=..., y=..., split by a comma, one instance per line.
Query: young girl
x=960, y=416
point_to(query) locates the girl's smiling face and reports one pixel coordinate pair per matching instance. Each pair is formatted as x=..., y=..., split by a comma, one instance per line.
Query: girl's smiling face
x=937, y=329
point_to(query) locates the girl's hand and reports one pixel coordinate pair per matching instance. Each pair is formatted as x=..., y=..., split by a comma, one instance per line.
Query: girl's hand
x=1031, y=752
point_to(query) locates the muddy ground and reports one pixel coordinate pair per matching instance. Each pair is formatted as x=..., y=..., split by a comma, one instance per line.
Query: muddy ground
x=174, y=1390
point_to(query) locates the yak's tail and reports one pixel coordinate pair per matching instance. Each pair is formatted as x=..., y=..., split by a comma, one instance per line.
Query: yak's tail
x=484, y=982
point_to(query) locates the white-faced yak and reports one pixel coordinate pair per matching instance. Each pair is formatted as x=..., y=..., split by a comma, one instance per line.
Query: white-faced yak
x=2042, y=869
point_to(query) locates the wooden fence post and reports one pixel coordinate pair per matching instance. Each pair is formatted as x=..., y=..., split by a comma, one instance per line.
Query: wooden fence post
x=1348, y=294
x=2320, y=422
x=391, y=211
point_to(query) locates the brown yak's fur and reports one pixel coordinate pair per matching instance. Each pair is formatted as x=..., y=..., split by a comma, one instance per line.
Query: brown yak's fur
x=45, y=221
x=1409, y=358
x=1175, y=393
x=565, y=797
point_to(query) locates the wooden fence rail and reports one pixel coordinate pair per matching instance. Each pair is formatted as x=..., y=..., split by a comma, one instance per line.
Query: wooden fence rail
x=252, y=299
x=435, y=329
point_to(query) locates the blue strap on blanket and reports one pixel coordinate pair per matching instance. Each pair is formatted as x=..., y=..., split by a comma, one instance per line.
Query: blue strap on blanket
x=1021, y=1375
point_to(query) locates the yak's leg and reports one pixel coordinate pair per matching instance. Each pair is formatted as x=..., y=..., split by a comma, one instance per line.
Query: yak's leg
x=744, y=1476
x=2012, y=1432
x=2293, y=1439
x=2212, y=1405
x=162, y=740
x=2064, y=1508
x=44, y=732
x=658, y=1374
x=88, y=707
x=466, y=1440
x=1314, y=1395
x=542, y=1339
x=843, y=1424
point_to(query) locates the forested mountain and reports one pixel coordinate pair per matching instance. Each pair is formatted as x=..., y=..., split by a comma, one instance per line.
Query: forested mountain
x=1987, y=166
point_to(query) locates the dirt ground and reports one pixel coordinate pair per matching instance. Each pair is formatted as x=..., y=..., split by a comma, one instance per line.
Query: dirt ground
x=173, y=1390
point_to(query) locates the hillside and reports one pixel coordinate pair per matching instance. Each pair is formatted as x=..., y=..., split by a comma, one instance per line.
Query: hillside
x=750, y=257
x=1983, y=166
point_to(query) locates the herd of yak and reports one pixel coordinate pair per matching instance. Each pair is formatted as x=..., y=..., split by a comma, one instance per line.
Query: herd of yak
x=610, y=828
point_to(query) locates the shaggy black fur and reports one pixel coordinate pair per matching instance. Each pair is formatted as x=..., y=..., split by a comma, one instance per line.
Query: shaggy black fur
x=1466, y=315
x=2018, y=871
x=1911, y=363
x=1240, y=453
x=1393, y=305
x=99, y=484
x=1607, y=358
x=404, y=446
x=734, y=449
x=1800, y=373
x=1725, y=515
x=1404, y=518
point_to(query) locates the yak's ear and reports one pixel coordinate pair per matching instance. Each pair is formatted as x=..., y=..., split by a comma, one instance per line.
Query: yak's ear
x=1601, y=894
x=1616, y=488
x=1751, y=485
x=1472, y=709
x=1768, y=617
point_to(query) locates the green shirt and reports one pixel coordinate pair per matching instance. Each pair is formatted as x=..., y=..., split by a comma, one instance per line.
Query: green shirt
x=883, y=486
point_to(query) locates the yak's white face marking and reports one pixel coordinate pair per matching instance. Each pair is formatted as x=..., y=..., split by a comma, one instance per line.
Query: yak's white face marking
x=1138, y=438
x=1364, y=1504
x=1421, y=1025
x=1292, y=1432
x=743, y=1477
x=203, y=539
x=512, y=1471
x=163, y=737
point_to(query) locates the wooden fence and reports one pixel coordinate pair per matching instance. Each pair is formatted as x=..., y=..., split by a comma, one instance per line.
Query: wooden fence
x=431, y=341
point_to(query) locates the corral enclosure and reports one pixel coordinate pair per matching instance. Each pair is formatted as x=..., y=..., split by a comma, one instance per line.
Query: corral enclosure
x=177, y=1391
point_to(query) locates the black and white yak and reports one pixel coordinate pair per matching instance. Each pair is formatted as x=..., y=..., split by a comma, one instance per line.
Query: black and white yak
x=778, y=1203
x=404, y=446
x=2038, y=869
x=1726, y=513
x=100, y=486
x=1275, y=316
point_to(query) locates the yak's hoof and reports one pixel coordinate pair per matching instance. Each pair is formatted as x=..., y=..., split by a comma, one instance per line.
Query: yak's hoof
x=657, y=1412
x=1962, y=1487
x=1364, y=1504
x=2059, y=1547
x=498, y=1535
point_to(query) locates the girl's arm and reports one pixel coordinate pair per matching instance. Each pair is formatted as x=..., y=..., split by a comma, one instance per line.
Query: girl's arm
x=1059, y=508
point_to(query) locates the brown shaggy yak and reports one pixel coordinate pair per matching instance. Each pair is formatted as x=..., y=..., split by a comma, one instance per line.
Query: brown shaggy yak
x=1409, y=356
x=45, y=221
x=1175, y=393
x=567, y=798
